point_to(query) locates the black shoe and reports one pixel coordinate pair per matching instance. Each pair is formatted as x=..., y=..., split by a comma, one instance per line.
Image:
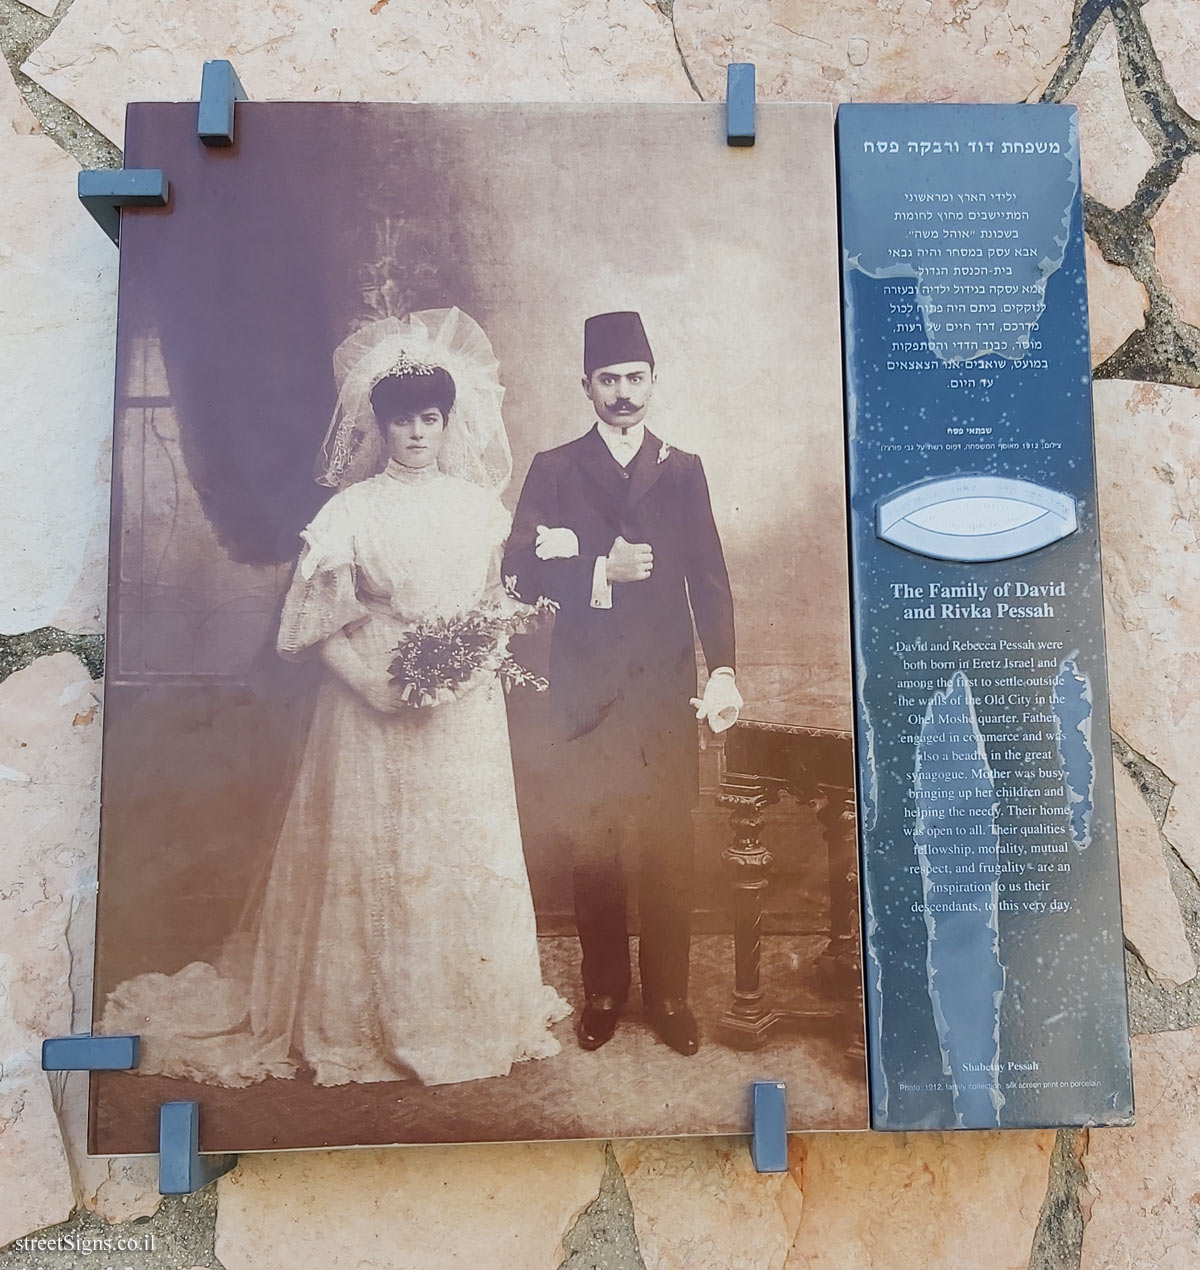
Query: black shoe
x=676, y=1024
x=597, y=1022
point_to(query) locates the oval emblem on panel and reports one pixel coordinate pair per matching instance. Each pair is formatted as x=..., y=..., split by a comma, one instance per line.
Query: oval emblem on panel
x=975, y=518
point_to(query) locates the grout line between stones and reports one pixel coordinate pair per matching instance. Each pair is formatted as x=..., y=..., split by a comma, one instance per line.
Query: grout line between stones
x=1158, y=1007
x=1086, y=28
x=1165, y=349
x=1151, y=100
x=182, y=1231
x=667, y=9
x=1157, y=349
x=1155, y=785
x=19, y=651
x=604, y=1236
x=1058, y=1238
x=22, y=30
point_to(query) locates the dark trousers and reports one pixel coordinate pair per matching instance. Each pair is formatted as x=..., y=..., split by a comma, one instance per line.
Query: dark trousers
x=665, y=895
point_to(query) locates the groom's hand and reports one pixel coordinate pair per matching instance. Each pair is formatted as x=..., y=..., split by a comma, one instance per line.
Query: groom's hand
x=629, y=561
x=721, y=702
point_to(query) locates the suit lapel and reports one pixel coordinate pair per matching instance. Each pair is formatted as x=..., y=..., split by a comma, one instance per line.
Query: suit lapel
x=598, y=462
x=645, y=468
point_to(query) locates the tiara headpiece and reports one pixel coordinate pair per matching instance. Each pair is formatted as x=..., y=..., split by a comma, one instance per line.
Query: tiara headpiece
x=405, y=365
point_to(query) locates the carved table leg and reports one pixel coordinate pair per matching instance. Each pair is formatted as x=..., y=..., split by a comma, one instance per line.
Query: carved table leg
x=838, y=822
x=747, y=1021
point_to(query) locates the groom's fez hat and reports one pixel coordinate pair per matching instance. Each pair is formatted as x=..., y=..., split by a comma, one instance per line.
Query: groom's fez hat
x=610, y=339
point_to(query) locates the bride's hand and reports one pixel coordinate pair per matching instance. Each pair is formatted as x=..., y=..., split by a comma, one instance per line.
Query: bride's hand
x=371, y=684
x=381, y=694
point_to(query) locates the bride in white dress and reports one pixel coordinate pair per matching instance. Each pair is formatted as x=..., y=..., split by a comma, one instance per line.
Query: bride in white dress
x=396, y=937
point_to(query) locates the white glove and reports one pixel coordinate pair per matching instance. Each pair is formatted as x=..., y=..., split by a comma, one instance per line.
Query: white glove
x=555, y=544
x=721, y=701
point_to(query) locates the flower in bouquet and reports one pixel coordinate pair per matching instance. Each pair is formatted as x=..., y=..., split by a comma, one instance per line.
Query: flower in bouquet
x=436, y=660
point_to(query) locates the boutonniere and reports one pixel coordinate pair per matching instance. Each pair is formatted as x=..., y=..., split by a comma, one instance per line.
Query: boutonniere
x=664, y=452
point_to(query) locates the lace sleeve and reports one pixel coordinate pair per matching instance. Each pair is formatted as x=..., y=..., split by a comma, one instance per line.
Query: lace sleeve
x=322, y=599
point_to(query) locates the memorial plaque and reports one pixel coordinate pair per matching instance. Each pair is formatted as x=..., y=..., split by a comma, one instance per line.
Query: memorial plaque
x=371, y=872
x=994, y=962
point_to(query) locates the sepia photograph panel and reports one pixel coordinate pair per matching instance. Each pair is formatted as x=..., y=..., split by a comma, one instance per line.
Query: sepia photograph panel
x=478, y=758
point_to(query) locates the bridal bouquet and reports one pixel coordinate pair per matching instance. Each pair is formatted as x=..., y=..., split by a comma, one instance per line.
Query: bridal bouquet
x=435, y=659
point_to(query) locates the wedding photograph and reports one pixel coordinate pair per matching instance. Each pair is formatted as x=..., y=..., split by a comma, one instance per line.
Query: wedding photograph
x=478, y=727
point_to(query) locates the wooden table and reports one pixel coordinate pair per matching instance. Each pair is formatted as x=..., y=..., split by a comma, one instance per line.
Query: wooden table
x=815, y=766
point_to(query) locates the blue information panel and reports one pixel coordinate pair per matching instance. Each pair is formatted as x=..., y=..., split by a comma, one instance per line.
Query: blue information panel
x=994, y=959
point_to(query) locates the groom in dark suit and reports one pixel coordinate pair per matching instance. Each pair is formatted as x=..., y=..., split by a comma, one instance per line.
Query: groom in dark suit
x=616, y=526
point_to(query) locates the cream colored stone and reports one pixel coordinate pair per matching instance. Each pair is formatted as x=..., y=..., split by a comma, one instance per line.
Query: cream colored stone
x=35, y=1178
x=698, y=1202
x=899, y=50
x=120, y=1189
x=42, y=6
x=880, y=1201
x=101, y=56
x=56, y=364
x=502, y=1206
x=1117, y=303
x=1174, y=226
x=1145, y=457
x=49, y=777
x=1176, y=40
x=1113, y=154
x=49, y=772
x=1153, y=923
x=1181, y=827
x=1148, y=457
x=47, y=860
x=1145, y=1181
x=15, y=115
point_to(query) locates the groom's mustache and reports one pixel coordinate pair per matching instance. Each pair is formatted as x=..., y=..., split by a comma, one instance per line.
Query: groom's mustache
x=625, y=407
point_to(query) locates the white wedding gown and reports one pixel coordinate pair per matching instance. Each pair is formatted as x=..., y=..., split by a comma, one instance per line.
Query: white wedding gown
x=397, y=936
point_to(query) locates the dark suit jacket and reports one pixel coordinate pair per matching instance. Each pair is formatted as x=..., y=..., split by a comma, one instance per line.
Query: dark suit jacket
x=621, y=678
